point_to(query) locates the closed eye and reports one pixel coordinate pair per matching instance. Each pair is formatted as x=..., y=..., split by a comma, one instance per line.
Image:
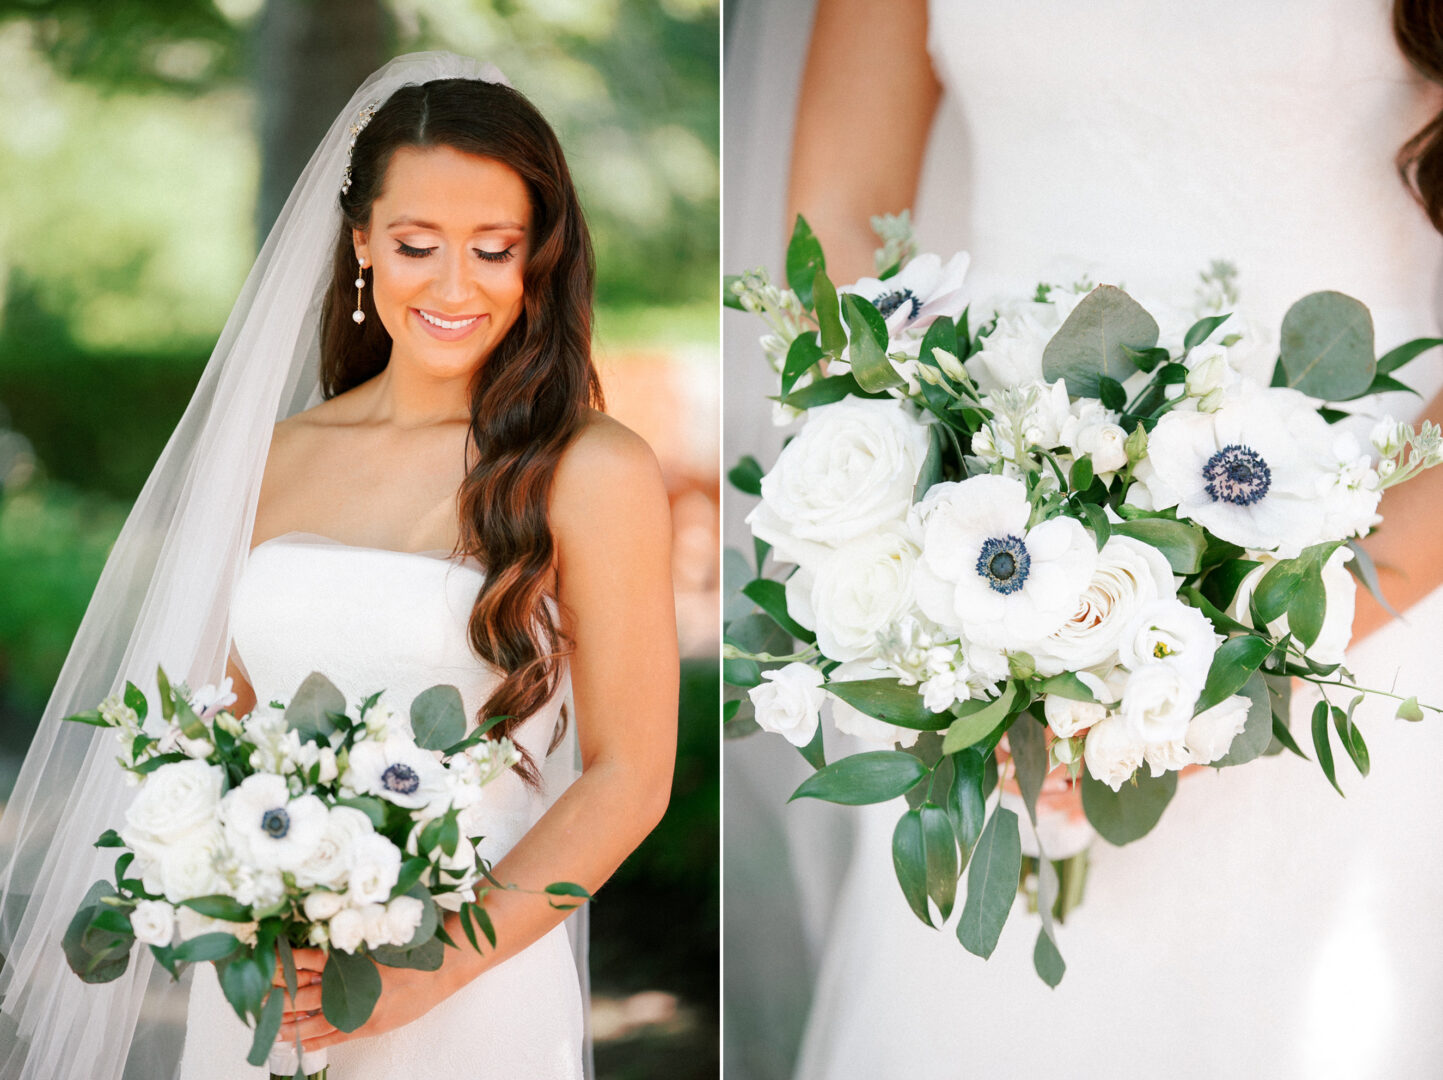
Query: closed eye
x=412, y=252
x=497, y=256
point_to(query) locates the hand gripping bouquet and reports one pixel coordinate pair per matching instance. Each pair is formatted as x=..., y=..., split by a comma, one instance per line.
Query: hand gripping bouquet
x=1062, y=544
x=298, y=825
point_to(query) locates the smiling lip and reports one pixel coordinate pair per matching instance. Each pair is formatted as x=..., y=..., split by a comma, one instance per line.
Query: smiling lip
x=456, y=326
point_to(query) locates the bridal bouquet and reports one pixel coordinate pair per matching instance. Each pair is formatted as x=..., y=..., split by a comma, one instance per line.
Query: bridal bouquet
x=1065, y=543
x=302, y=825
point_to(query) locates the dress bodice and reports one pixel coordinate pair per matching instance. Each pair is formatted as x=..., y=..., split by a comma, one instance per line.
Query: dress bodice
x=374, y=619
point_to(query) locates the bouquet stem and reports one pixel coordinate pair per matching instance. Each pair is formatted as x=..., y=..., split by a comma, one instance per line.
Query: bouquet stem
x=1071, y=883
x=284, y=1066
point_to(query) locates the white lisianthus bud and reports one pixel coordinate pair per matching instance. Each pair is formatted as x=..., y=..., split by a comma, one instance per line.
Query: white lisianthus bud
x=321, y=906
x=329, y=770
x=1111, y=753
x=789, y=703
x=984, y=445
x=950, y=365
x=1211, y=733
x=228, y=723
x=930, y=375
x=1208, y=370
x=403, y=916
x=1067, y=751
x=153, y=922
x=1388, y=436
x=347, y=930
x=1067, y=717
x=318, y=936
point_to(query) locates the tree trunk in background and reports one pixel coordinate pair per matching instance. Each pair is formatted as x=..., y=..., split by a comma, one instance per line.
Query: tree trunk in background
x=308, y=57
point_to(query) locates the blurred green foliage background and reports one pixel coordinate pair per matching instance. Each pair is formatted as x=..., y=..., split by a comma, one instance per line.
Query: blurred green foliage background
x=147, y=147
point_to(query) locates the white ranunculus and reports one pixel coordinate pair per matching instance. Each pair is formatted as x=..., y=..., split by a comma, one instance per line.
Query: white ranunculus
x=1092, y=431
x=403, y=916
x=1211, y=733
x=917, y=295
x=397, y=770
x=269, y=829
x=1167, y=756
x=375, y=865
x=153, y=922
x=984, y=573
x=175, y=799
x=789, y=702
x=850, y=470
x=1250, y=472
x=321, y=906
x=1127, y=577
x=329, y=862
x=1158, y=702
x=347, y=929
x=855, y=592
x=1067, y=717
x=1340, y=598
x=1167, y=629
x=850, y=720
x=1112, y=753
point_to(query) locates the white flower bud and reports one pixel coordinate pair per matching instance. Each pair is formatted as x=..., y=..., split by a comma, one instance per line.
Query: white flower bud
x=1388, y=436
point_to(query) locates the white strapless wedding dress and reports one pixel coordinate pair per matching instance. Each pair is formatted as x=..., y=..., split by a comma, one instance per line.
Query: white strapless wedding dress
x=369, y=620
x=1266, y=927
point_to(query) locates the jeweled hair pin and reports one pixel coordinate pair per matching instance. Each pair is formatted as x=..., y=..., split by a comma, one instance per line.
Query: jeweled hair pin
x=367, y=112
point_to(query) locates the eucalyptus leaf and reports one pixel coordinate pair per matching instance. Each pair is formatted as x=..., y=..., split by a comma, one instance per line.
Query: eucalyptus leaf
x=245, y=984
x=1326, y=346
x=309, y=713
x=992, y=877
x=1096, y=340
x=96, y=954
x=1128, y=814
x=1362, y=567
x=267, y=1027
x=438, y=717
x=1029, y=755
x=427, y=956
x=1047, y=960
x=861, y=779
x=1257, y=733
x=350, y=987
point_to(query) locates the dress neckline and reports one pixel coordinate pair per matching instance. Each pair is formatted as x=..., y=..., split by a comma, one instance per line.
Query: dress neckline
x=301, y=538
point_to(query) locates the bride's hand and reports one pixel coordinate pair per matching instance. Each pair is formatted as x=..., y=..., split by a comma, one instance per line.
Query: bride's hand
x=405, y=995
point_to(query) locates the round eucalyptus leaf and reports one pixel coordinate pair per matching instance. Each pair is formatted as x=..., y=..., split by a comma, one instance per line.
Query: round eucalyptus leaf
x=1122, y=816
x=1326, y=346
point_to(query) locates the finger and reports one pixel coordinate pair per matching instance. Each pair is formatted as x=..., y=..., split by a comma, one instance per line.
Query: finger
x=309, y=1028
x=308, y=1000
x=303, y=978
x=309, y=959
x=320, y=1042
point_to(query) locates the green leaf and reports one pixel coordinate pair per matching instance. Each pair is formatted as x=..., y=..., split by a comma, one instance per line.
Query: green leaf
x=287, y=960
x=804, y=259
x=1276, y=589
x=267, y=1028
x=1361, y=565
x=309, y=712
x=746, y=476
x=167, y=695
x=214, y=946
x=966, y=801
x=1322, y=746
x=909, y=861
x=92, y=951
x=245, y=982
x=1180, y=542
x=1098, y=523
x=942, y=334
x=191, y=726
x=150, y=765
x=1095, y=341
x=872, y=777
x=825, y=391
x=931, y=471
x=1147, y=359
x=428, y=956
x=771, y=597
x=219, y=907
x=438, y=717
x=729, y=298
x=992, y=877
x=802, y=356
x=1257, y=733
x=977, y=719
x=350, y=987
x=566, y=888
x=482, y=918
x=1351, y=737
x=136, y=700
x=1233, y=665
x=1284, y=736
x=1392, y=360
x=1047, y=960
x=1080, y=478
x=942, y=868
x=867, y=345
x=1410, y=710
x=1326, y=346
x=91, y=717
x=886, y=699
x=1201, y=330
x=1029, y=755
x=109, y=838
x=1221, y=584
x=1310, y=604
x=410, y=873
x=829, y=316
x=1122, y=816
x=1111, y=393
x=373, y=808
x=1066, y=685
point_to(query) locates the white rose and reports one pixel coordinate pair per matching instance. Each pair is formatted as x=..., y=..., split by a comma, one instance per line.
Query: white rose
x=1067, y=717
x=347, y=929
x=1128, y=576
x=175, y=799
x=851, y=469
x=855, y=592
x=375, y=865
x=1106, y=445
x=153, y=922
x=321, y=906
x=853, y=721
x=1157, y=702
x=375, y=931
x=1340, y=597
x=789, y=702
x=1211, y=733
x=187, y=864
x=1112, y=754
x=1167, y=756
x=1167, y=629
x=403, y=917
x=330, y=860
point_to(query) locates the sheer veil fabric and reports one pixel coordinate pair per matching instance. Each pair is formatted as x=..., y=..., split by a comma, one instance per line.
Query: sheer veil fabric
x=163, y=599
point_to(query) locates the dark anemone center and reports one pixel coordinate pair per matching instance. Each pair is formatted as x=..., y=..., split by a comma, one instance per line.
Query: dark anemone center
x=1237, y=474
x=276, y=823
x=887, y=303
x=1003, y=563
x=401, y=779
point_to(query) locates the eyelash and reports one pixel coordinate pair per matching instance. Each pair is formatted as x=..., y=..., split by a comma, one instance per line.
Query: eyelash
x=486, y=256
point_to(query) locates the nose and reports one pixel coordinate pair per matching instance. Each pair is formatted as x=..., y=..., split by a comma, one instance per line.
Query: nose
x=453, y=285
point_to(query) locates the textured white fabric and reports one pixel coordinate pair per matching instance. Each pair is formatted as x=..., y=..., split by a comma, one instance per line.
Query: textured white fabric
x=1266, y=927
x=372, y=619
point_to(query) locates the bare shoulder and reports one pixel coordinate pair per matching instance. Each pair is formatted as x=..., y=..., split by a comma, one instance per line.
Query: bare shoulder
x=608, y=470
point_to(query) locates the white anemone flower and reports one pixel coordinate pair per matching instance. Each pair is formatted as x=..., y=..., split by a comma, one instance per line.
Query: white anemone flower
x=918, y=294
x=268, y=829
x=398, y=771
x=1250, y=472
x=984, y=572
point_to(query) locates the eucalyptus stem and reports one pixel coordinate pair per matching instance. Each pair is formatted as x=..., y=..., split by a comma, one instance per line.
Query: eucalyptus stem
x=1365, y=690
x=733, y=652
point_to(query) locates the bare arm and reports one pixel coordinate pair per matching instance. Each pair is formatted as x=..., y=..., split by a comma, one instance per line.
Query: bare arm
x=868, y=97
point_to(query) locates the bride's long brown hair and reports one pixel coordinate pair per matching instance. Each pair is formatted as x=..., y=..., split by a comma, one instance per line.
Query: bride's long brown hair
x=1418, y=28
x=530, y=395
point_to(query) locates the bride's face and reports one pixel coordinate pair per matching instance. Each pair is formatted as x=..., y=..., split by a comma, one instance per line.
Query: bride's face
x=447, y=246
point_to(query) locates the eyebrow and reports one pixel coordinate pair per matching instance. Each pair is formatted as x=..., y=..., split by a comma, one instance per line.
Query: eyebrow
x=496, y=226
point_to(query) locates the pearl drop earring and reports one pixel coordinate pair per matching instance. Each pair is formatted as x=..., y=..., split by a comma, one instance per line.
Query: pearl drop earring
x=358, y=314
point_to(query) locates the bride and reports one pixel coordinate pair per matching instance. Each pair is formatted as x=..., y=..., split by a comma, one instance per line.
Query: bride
x=441, y=501
x=1266, y=927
